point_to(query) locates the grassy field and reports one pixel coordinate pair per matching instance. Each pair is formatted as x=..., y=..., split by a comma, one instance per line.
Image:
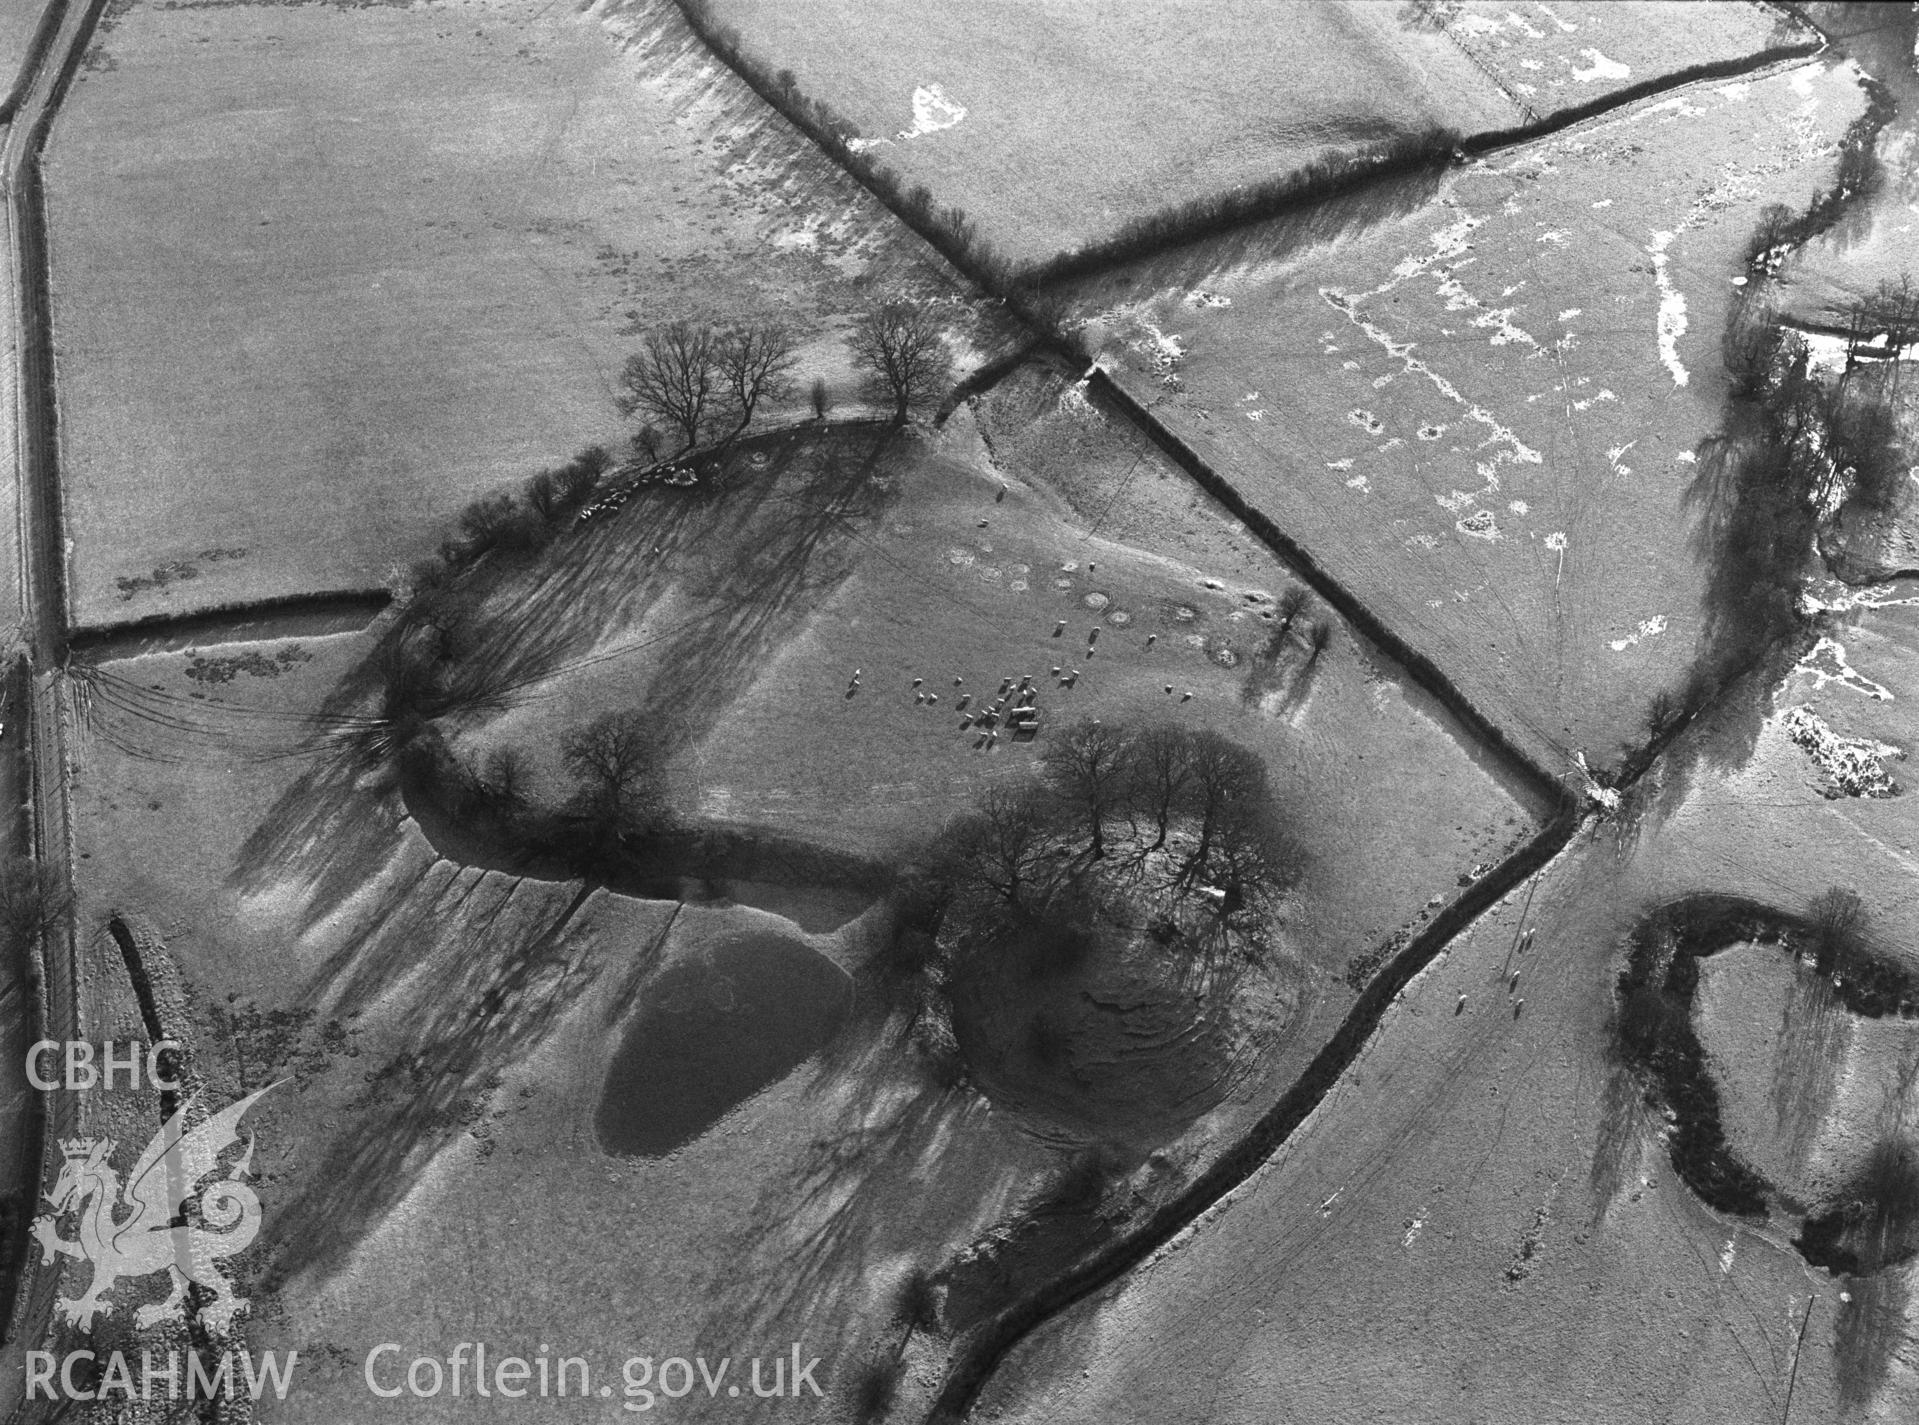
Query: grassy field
x=1052, y=125
x=17, y=21
x=1484, y=1200
x=1549, y=58
x=1807, y=1087
x=446, y=1036
x=450, y=1032
x=739, y=625
x=1481, y=408
x=322, y=274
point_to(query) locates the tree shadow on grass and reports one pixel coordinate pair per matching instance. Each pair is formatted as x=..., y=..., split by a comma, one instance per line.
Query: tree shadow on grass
x=504, y=972
x=1623, y=1119
x=1868, y=1334
x=1815, y=1031
x=333, y=833
x=504, y=961
x=826, y=1232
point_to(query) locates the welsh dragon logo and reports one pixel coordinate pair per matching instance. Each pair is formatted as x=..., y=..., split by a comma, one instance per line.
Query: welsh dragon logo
x=157, y=1234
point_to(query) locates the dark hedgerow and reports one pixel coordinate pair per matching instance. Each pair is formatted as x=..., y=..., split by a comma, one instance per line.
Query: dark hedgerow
x=1652, y=1019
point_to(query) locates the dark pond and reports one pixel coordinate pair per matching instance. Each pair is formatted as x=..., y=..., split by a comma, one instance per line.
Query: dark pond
x=712, y=1033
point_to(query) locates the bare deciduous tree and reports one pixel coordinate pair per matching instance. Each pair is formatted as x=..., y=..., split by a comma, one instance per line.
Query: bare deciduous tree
x=1089, y=765
x=1290, y=606
x=755, y=364
x=1001, y=849
x=1224, y=774
x=1162, y=771
x=902, y=348
x=675, y=377
x=616, y=760
x=503, y=779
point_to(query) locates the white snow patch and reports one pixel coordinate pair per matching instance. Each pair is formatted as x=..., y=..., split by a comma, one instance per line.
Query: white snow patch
x=1346, y=464
x=1449, y=242
x=1827, y=664
x=1843, y=598
x=1519, y=507
x=1602, y=68
x=1458, y=299
x=1547, y=11
x=1603, y=203
x=1570, y=313
x=1648, y=628
x=1207, y=299
x=1672, y=308
x=1616, y=454
x=932, y=111
x=1558, y=237
x=1515, y=451
x=1853, y=766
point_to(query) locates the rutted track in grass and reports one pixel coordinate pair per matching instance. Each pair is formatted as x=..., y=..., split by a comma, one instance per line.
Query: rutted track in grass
x=38, y=739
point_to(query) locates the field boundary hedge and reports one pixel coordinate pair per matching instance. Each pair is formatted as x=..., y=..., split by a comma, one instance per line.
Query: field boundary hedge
x=85, y=638
x=1425, y=672
x=954, y=235
x=1654, y=1034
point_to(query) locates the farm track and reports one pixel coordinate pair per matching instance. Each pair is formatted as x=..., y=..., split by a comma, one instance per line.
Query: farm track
x=978, y=1356
x=36, y=743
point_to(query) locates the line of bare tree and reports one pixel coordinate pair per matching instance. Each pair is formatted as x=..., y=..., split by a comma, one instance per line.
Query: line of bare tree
x=1182, y=815
x=704, y=382
x=901, y=349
